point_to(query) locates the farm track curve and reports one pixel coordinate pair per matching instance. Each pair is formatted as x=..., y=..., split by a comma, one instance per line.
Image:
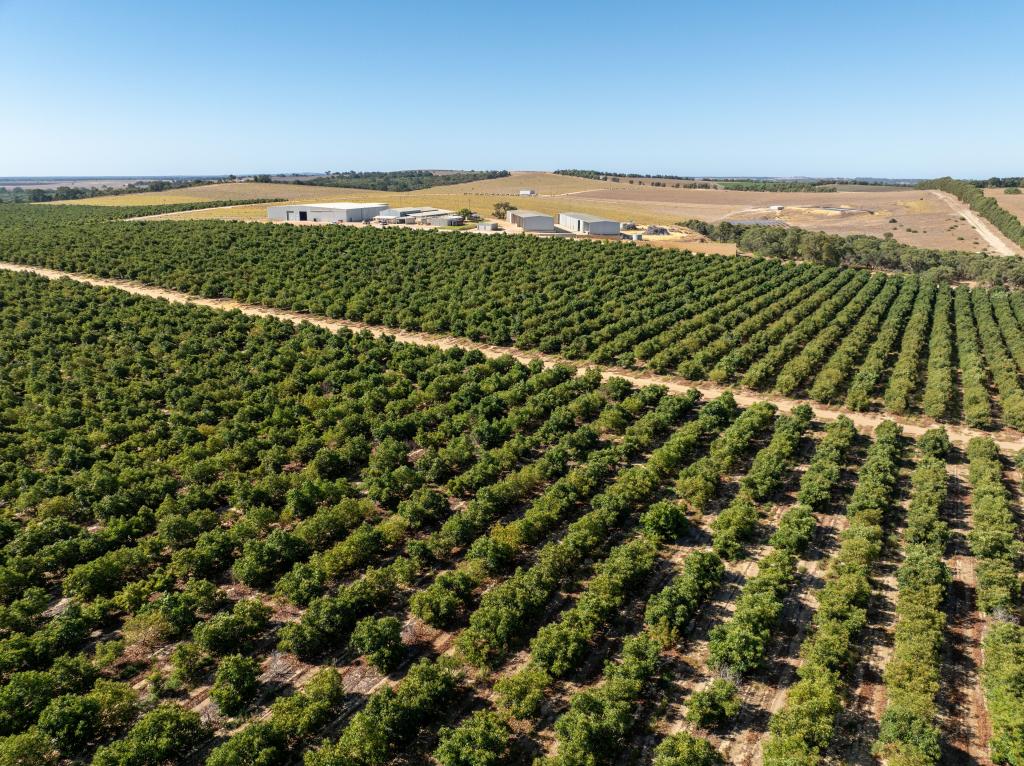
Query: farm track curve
x=1007, y=441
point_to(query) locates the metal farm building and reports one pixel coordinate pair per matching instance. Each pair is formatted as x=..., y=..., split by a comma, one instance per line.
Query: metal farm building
x=530, y=220
x=327, y=212
x=581, y=223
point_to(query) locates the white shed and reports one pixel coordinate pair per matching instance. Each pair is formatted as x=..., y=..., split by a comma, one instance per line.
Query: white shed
x=530, y=220
x=326, y=212
x=581, y=223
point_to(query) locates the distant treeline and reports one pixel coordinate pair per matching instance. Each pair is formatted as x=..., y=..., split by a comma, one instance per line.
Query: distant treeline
x=686, y=182
x=733, y=184
x=999, y=183
x=968, y=192
x=395, y=180
x=63, y=193
x=860, y=250
x=778, y=186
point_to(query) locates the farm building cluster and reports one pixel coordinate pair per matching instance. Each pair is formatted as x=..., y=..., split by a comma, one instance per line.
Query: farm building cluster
x=581, y=224
x=363, y=212
x=577, y=224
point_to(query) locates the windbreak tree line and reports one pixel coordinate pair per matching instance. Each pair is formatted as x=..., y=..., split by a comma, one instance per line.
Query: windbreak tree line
x=398, y=180
x=1008, y=223
x=865, y=251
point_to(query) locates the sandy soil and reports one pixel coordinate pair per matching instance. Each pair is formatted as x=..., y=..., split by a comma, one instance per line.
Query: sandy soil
x=996, y=241
x=1007, y=440
x=921, y=220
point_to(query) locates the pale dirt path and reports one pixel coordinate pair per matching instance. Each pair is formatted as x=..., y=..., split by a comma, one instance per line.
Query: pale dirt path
x=988, y=232
x=1006, y=440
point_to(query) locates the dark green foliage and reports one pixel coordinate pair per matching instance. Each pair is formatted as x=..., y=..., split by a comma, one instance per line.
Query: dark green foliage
x=734, y=526
x=800, y=732
x=934, y=443
x=909, y=731
x=161, y=735
x=684, y=749
x=994, y=539
x=269, y=742
x=379, y=640
x=235, y=630
x=665, y=520
x=715, y=705
x=190, y=663
x=772, y=325
x=1002, y=677
x=397, y=180
x=864, y=251
x=235, y=684
x=391, y=718
x=480, y=740
x=592, y=730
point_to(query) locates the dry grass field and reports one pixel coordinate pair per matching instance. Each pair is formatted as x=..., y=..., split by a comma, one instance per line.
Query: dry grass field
x=1012, y=202
x=921, y=219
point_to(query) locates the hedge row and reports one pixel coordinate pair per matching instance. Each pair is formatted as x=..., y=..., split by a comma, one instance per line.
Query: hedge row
x=803, y=729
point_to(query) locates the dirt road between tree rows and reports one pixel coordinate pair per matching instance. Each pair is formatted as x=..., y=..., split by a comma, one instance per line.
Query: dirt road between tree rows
x=1007, y=441
x=999, y=244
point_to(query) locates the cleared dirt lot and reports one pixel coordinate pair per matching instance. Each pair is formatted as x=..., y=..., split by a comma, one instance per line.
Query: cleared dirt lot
x=921, y=219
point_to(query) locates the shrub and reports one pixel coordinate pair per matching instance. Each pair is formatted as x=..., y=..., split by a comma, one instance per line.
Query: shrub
x=714, y=705
x=379, y=640
x=235, y=684
x=481, y=740
x=684, y=749
x=164, y=734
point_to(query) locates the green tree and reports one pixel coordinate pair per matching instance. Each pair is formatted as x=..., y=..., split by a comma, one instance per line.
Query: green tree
x=164, y=734
x=380, y=641
x=686, y=750
x=235, y=684
x=481, y=740
x=714, y=705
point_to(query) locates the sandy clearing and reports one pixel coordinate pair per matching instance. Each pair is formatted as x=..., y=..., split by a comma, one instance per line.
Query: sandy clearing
x=1000, y=244
x=1007, y=441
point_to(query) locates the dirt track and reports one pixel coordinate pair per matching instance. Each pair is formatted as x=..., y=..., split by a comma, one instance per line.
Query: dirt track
x=1000, y=244
x=1007, y=441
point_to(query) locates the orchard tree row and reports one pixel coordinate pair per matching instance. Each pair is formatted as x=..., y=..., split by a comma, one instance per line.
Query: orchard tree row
x=904, y=344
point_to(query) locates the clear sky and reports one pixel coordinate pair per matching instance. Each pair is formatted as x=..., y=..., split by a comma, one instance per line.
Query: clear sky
x=900, y=88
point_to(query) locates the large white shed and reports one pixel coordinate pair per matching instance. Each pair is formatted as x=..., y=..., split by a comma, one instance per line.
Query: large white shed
x=582, y=223
x=327, y=212
x=530, y=220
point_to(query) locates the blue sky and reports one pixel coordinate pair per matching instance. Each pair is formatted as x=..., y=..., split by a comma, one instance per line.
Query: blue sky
x=868, y=88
